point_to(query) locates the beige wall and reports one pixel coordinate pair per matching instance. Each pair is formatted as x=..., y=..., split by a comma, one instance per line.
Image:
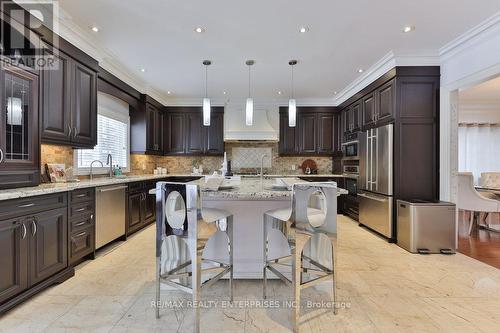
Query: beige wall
x=144, y=164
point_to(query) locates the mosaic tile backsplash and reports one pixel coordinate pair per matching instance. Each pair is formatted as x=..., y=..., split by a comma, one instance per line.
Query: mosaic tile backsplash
x=244, y=156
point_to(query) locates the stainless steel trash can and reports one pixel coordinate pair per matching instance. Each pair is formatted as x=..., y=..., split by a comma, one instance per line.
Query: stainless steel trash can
x=426, y=226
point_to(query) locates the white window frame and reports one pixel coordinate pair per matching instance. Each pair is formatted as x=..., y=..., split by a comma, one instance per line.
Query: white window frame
x=96, y=169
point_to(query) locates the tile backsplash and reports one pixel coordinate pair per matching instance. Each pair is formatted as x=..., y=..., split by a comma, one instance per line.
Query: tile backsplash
x=244, y=156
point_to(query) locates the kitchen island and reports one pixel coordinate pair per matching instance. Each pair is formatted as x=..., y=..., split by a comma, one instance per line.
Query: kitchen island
x=248, y=202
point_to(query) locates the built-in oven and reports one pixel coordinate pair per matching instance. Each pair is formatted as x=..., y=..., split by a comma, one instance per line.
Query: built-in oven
x=351, y=185
x=350, y=147
x=351, y=170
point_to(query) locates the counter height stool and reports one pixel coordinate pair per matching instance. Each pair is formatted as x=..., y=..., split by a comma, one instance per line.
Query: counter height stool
x=183, y=229
x=309, y=225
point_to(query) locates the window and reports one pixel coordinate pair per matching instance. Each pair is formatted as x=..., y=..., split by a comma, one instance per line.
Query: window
x=113, y=128
x=478, y=148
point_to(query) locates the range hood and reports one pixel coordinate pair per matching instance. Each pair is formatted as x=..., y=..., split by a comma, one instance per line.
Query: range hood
x=265, y=123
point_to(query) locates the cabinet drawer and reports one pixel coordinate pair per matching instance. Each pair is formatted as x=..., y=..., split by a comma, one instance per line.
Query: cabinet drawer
x=135, y=187
x=30, y=205
x=81, y=244
x=81, y=209
x=86, y=194
x=78, y=224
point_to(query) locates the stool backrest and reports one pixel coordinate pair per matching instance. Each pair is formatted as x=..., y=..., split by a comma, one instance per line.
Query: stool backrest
x=178, y=207
x=490, y=179
x=314, y=206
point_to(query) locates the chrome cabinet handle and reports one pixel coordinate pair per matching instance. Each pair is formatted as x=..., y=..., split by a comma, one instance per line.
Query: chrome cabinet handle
x=81, y=195
x=33, y=226
x=81, y=223
x=1, y=155
x=81, y=234
x=371, y=197
x=91, y=216
x=24, y=231
x=31, y=204
x=74, y=132
x=70, y=130
x=80, y=209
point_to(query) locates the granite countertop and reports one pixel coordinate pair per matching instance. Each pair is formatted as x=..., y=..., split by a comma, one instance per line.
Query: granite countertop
x=249, y=190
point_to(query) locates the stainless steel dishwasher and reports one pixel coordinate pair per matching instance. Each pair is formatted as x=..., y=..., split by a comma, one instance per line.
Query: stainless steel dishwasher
x=110, y=214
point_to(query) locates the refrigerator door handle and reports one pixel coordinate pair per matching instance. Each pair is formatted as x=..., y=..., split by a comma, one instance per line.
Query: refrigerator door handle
x=364, y=195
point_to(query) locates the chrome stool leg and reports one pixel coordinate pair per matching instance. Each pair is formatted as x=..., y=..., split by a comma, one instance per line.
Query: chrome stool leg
x=264, y=273
x=157, y=286
x=334, y=276
x=229, y=232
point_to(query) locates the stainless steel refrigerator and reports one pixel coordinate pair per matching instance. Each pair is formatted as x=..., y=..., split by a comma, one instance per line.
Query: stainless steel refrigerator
x=375, y=188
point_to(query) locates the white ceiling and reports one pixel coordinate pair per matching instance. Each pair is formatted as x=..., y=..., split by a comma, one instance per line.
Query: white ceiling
x=343, y=36
x=485, y=93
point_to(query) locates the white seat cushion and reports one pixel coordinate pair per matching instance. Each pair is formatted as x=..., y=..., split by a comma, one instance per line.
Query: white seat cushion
x=212, y=214
x=316, y=216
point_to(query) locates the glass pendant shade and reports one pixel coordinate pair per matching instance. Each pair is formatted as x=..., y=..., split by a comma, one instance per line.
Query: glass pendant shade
x=206, y=111
x=292, y=112
x=249, y=112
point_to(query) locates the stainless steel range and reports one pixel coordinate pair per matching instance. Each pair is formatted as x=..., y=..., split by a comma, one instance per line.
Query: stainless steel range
x=376, y=179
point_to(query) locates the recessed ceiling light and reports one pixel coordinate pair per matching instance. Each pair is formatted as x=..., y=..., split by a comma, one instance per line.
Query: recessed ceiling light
x=143, y=70
x=224, y=92
x=169, y=92
x=361, y=70
x=335, y=93
x=199, y=30
x=303, y=29
x=95, y=29
x=408, y=28
x=279, y=92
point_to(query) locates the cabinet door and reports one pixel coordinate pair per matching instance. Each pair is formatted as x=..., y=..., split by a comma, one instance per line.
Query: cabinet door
x=355, y=116
x=56, y=99
x=368, y=103
x=288, y=143
x=159, y=130
x=84, y=112
x=194, y=133
x=386, y=102
x=13, y=258
x=135, y=211
x=149, y=205
x=175, y=135
x=48, y=244
x=326, y=133
x=308, y=133
x=19, y=141
x=214, y=137
x=347, y=120
x=153, y=129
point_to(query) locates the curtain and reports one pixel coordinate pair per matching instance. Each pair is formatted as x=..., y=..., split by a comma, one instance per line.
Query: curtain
x=478, y=149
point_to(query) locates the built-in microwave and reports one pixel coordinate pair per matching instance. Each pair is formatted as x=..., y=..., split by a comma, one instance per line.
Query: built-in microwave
x=350, y=150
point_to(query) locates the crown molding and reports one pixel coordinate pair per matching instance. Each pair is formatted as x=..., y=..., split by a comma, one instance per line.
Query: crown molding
x=258, y=103
x=382, y=66
x=476, y=34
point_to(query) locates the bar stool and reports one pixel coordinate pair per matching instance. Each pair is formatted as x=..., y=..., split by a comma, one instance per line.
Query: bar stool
x=182, y=232
x=309, y=225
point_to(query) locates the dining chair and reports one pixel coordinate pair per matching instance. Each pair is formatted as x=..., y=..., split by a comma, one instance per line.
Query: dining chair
x=490, y=179
x=183, y=229
x=471, y=200
x=310, y=227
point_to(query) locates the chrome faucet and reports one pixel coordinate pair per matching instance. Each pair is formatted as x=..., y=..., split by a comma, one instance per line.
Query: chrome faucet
x=262, y=171
x=91, y=166
x=110, y=163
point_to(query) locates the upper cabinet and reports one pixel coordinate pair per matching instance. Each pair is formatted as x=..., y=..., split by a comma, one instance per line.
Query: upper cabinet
x=69, y=102
x=352, y=117
x=185, y=134
x=314, y=134
x=146, y=127
x=19, y=142
x=378, y=105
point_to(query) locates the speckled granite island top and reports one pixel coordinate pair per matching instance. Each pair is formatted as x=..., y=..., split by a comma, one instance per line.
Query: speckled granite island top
x=249, y=189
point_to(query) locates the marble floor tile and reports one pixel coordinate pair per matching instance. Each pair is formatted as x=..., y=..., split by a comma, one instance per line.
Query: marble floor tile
x=381, y=287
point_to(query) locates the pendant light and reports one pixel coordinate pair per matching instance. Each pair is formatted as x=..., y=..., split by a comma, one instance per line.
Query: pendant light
x=206, y=100
x=249, y=104
x=292, y=105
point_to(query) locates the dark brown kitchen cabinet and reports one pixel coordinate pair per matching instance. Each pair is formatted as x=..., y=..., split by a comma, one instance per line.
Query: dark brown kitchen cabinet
x=68, y=102
x=84, y=107
x=135, y=211
x=147, y=127
x=308, y=132
x=141, y=206
x=13, y=258
x=287, y=144
x=185, y=133
x=81, y=221
x=352, y=118
x=19, y=136
x=326, y=133
x=48, y=244
x=368, y=106
x=379, y=105
x=315, y=132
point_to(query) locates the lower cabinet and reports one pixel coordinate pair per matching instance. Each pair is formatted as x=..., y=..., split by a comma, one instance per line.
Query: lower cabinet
x=81, y=242
x=48, y=234
x=141, y=206
x=135, y=212
x=33, y=246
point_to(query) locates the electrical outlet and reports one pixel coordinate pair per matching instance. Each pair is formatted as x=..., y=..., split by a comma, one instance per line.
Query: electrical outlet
x=143, y=166
x=293, y=167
